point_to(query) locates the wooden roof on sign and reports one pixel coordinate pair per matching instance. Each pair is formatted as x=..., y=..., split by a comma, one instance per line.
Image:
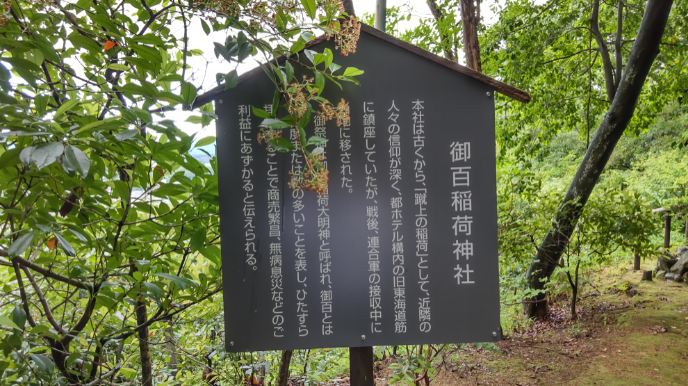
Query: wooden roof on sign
x=500, y=87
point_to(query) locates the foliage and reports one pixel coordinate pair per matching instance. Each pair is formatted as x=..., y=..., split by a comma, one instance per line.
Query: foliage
x=108, y=225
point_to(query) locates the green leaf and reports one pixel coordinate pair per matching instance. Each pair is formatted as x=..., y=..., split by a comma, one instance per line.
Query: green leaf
x=231, y=80
x=19, y=317
x=197, y=240
x=329, y=57
x=81, y=41
x=315, y=140
x=274, y=124
x=65, y=245
x=319, y=82
x=66, y=106
x=188, y=94
x=260, y=113
x=25, y=155
x=205, y=141
x=352, y=71
x=282, y=145
x=147, y=53
x=212, y=253
x=5, y=321
x=122, y=190
x=206, y=27
x=310, y=55
x=118, y=67
x=25, y=68
x=310, y=7
x=126, y=134
x=154, y=289
x=297, y=46
x=43, y=363
x=10, y=158
x=181, y=282
x=46, y=154
x=78, y=235
x=289, y=71
x=77, y=160
x=148, y=39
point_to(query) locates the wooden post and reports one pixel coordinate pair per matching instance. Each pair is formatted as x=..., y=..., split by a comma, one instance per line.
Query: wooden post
x=686, y=227
x=361, y=366
x=636, y=261
x=667, y=231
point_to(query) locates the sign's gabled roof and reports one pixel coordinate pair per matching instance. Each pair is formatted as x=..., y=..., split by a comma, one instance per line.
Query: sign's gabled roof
x=501, y=87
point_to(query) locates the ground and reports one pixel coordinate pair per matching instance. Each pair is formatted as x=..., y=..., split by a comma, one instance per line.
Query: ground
x=629, y=333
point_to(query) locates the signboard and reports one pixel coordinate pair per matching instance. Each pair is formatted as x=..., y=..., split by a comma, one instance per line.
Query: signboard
x=402, y=249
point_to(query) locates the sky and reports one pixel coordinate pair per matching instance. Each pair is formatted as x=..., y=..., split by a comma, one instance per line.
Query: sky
x=206, y=66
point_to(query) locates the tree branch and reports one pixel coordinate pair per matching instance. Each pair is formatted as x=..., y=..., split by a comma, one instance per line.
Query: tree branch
x=22, y=293
x=439, y=18
x=51, y=274
x=619, y=42
x=604, y=51
x=44, y=303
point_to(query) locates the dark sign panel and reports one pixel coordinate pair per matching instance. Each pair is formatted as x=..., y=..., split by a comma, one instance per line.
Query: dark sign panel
x=402, y=249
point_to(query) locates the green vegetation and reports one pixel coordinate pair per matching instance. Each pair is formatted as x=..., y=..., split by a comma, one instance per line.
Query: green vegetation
x=110, y=269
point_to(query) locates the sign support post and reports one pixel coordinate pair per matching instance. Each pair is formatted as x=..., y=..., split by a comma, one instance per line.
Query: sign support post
x=361, y=366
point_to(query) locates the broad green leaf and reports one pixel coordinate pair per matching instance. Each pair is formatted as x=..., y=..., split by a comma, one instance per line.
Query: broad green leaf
x=197, y=240
x=147, y=53
x=205, y=26
x=81, y=41
x=122, y=190
x=77, y=160
x=154, y=289
x=126, y=134
x=7, y=322
x=260, y=113
x=89, y=126
x=188, y=93
x=81, y=237
x=46, y=154
x=310, y=6
x=118, y=67
x=274, y=124
x=212, y=253
x=315, y=140
x=25, y=68
x=231, y=80
x=282, y=145
x=205, y=141
x=43, y=363
x=148, y=39
x=65, y=245
x=297, y=46
x=329, y=57
x=319, y=82
x=25, y=155
x=10, y=158
x=288, y=70
x=352, y=71
x=66, y=106
x=181, y=282
x=19, y=317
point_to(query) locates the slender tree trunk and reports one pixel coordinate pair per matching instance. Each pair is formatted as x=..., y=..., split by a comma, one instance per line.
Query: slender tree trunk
x=172, y=348
x=636, y=261
x=667, y=231
x=643, y=53
x=144, y=345
x=686, y=228
x=470, y=18
x=349, y=7
x=283, y=372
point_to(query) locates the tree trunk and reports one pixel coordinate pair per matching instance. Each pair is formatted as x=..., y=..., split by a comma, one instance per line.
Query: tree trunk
x=686, y=228
x=349, y=7
x=172, y=348
x=283, y=372
x=636, y=261
x=470, y=18
x=144, y=346
x=643, y=53
x=667, y=231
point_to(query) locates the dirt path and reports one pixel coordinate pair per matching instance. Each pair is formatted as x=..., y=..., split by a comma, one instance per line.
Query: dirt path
x=631, y=333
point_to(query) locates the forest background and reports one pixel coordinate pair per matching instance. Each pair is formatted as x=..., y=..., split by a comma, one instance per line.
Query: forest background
x=109, y=240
